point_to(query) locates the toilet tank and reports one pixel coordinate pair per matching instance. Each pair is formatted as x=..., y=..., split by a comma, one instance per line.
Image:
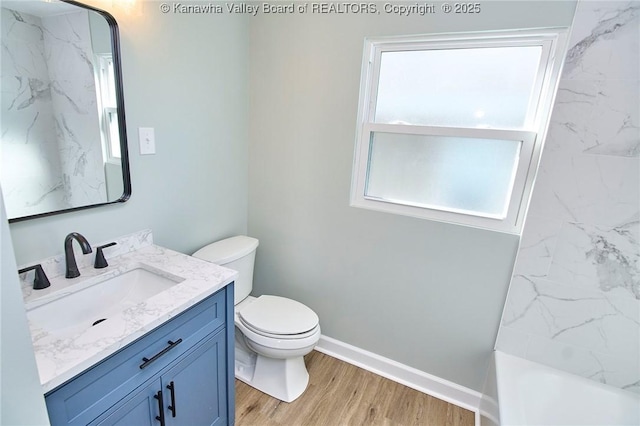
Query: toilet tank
x=237, y=253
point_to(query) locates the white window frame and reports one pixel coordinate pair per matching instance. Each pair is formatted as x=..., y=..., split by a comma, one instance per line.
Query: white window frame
x=107, y=106
x=554, y=46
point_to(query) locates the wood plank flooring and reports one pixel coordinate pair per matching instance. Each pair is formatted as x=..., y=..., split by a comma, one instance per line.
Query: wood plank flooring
x=343, y=394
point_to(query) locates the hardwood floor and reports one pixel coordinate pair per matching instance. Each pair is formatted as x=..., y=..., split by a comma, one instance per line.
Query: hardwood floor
x=342, y=394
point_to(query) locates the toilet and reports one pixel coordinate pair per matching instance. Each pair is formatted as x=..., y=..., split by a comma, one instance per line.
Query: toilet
x=273, y=333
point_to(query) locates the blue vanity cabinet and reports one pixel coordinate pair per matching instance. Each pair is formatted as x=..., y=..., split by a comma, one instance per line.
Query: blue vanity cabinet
x=181, y=396
x=186, y=376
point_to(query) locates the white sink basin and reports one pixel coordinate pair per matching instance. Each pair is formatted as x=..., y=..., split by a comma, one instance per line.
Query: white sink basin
x=89, y=306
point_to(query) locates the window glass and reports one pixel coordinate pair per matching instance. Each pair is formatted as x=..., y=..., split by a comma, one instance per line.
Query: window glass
x=465, y=175
x=488, y=87
x=114, y=134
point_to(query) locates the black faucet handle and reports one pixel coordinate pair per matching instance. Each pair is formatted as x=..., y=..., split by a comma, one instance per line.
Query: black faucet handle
x=101, y=262
x=40, y=280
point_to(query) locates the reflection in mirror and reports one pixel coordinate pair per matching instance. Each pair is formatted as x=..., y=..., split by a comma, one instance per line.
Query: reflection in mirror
x=63, y=135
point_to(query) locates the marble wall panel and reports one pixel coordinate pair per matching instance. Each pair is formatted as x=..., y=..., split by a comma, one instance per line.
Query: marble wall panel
x=67, y=42
x=574, y=299
x=31, y=170
x=605, y=42
x=51, y=142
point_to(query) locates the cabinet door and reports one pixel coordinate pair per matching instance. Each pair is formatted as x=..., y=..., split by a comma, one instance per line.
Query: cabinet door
x=139, y=410
x=195, y=388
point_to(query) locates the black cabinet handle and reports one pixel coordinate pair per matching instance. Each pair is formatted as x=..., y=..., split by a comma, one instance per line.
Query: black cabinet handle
x=172, y=407
x=158, y=396
x=148, y=361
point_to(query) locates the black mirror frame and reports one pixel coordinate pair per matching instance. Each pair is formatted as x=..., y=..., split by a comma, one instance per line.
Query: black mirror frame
x=122, y=128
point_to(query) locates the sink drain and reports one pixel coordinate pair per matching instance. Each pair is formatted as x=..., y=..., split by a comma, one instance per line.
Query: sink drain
x=98, y=321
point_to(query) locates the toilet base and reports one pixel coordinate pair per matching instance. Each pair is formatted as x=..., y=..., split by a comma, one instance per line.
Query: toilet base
x=284, y=379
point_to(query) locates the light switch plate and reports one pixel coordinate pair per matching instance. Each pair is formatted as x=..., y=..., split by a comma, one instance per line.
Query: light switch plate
x=147, y=139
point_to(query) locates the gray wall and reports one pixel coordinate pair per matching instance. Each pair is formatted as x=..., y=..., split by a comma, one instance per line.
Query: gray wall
x=186, y=76
x=21, y=399
x=422, y=293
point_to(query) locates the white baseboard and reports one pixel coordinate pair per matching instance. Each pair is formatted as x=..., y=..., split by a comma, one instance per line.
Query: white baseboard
x=403, y=374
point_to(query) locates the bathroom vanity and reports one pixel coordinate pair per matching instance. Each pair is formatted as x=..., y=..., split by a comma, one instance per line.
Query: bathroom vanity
x=159, y=352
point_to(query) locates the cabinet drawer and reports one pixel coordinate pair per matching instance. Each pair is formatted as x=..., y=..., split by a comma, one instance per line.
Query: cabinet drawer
x=86, y=396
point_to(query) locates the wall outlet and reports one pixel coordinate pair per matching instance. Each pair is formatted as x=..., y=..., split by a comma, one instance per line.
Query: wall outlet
x=147, y=139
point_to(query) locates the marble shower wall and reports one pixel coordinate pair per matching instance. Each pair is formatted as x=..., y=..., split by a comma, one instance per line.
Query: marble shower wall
x=51, y=142
x=30, y=160
x=73, y=92
x=574, y=299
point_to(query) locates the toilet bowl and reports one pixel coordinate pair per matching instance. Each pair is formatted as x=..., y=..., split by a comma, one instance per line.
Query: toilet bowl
x=278, y=368
x=273, y=333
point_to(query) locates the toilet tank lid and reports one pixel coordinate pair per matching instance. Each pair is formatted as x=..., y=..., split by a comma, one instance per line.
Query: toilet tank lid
x=227, y=250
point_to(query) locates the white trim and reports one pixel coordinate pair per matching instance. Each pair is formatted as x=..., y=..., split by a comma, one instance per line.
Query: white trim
x=463, y=132
x=521, y=37
x=489, y=412
x=403, y=374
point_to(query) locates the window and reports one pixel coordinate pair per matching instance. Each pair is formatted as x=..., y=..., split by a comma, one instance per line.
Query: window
x=109, y=108
x=450, y=127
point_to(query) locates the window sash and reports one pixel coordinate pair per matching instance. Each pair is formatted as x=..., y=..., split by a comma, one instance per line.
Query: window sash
x=107, y=82
x=104, y=76
x=528, y=142
x=111, y=135
x=533, y=113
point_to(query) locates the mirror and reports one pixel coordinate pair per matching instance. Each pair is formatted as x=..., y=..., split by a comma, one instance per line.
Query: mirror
x=63, y=136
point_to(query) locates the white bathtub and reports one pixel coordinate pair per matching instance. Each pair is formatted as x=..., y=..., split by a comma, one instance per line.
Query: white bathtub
x=533, y=394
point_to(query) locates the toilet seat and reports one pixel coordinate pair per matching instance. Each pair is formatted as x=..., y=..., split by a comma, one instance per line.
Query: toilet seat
x=287, y=347
x=280, y=336
x=279, y=318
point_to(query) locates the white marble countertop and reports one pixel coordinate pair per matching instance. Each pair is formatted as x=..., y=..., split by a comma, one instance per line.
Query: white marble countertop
x=60, y=358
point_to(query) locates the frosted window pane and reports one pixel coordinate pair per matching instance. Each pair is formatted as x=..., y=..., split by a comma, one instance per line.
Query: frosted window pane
x=479, y=87
x=467, y=175
x=114, y=134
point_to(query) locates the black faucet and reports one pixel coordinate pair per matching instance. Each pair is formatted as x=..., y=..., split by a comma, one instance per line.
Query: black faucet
x=72, y=267
x=40, y=279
